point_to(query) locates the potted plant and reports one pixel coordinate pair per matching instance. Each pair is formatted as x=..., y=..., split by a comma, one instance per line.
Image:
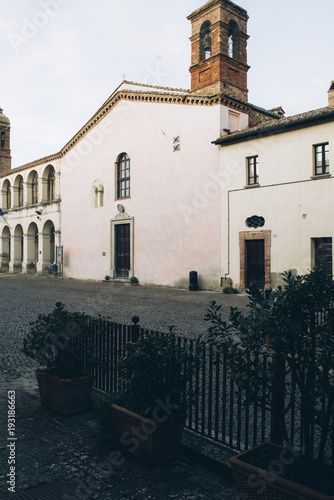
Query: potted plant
x=293, y=327
x=61, y=344
x=147, y=416
x=134, y=280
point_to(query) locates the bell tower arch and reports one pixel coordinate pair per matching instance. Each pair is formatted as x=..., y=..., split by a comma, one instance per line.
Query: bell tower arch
x=5, y=155
x=219, y=49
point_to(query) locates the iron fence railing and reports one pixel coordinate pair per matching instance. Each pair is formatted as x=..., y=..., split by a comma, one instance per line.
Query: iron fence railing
x=219, y=410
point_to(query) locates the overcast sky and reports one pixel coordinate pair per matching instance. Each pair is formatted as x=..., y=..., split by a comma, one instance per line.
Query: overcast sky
x=61, y=59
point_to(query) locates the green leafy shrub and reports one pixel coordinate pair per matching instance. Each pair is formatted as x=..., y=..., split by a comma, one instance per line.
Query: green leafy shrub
x=61, y=343
x=156, y=367
x=296, y=325
x=230, y=290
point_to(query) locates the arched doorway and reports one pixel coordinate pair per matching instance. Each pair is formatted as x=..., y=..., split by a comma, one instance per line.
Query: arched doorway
x=18, y=248
x=48, y=251
x=32, y=247
x=5, y=254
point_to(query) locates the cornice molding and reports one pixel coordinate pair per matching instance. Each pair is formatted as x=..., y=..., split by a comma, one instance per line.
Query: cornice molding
x=176, y=96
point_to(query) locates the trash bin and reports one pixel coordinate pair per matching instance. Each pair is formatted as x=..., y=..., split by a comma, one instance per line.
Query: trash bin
x=193, y=281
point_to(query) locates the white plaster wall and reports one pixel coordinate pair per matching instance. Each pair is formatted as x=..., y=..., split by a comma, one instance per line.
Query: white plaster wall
x=175, y=196
x=296, y=208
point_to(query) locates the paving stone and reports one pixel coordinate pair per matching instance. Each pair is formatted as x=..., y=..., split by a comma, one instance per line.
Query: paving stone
x=52, y=491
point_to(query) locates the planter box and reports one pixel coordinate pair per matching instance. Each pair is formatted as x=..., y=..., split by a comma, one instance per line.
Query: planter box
x=255, y=483
x=65, y=396
x=143, y=437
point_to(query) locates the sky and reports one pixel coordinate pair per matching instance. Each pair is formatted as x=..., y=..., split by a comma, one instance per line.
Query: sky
x=61, y=59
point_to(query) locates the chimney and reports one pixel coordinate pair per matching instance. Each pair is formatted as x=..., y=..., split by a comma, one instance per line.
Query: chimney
x=331, y=95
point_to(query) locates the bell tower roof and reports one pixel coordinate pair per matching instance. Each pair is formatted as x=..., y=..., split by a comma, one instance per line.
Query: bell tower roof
x=210, y=3
x=3, y=118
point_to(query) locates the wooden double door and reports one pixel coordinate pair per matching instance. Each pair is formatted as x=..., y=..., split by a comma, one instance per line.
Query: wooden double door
x=122, y=250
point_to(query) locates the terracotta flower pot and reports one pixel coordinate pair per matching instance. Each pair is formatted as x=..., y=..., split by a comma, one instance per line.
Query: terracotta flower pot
x=271, y=483
x=154, y=441
x=65, y=396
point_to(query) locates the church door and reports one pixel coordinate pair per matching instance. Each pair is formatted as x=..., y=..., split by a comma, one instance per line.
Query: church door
x=122, y=253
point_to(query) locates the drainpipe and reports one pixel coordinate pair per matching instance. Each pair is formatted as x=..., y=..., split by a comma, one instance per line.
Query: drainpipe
x=228, y=235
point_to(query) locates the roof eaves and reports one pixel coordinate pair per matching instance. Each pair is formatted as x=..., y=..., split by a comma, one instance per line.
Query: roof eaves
x=273, y=128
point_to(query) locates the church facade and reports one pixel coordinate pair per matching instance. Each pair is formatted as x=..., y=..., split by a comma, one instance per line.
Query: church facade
x=153, y=184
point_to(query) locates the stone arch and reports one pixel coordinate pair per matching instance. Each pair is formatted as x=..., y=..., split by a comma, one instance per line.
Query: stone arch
x=32, y=247
x=18, y=248
x=6, y=195
x=48, y=246
x=32, y=188
x=49, y=183
x=5, y=248
x=18, y=188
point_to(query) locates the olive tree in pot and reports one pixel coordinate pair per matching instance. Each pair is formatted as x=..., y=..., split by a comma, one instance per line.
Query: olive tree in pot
x=148, y=415
x=61, y=344
x=294, y=327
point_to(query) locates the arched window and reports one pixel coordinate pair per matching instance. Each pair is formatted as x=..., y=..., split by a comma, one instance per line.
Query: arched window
x=51, y=184
x=233, y=40
x=20, y=193
x=8, y=197
x=205, y=41
x=34, y=191
x=2, y=139
x=123, y=176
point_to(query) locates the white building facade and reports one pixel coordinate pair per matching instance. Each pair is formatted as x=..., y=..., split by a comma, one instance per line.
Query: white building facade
x=277, y=210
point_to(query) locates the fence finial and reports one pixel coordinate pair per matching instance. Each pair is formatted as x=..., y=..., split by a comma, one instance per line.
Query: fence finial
x=135, y=329
x=135, y=319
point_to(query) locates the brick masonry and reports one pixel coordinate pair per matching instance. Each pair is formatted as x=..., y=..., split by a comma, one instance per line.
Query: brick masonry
x=5, y=153
x=220, y=72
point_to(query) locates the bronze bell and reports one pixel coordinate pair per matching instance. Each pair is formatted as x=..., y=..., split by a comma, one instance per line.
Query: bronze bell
x=207, y=41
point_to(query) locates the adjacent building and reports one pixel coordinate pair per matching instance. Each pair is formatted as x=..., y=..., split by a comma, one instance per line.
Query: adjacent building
x=277, y=208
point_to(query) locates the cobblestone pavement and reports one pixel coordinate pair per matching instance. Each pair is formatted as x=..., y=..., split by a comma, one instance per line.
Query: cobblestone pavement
x=23, y=297
x=64, y=458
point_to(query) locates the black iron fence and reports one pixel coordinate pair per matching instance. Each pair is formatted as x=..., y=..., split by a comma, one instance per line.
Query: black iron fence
x=220, y=410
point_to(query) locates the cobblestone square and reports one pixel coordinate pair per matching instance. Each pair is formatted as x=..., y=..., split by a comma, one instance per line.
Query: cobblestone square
x=59, y=457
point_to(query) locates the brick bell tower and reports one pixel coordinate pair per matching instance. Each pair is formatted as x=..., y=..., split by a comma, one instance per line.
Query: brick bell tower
x=219, y=49
x=5, y=157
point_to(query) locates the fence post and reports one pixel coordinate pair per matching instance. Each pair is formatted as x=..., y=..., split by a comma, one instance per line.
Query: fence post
x=278, y=399
x=135, y=329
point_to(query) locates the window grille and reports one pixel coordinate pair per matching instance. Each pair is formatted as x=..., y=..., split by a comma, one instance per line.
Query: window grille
x=255, y=221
